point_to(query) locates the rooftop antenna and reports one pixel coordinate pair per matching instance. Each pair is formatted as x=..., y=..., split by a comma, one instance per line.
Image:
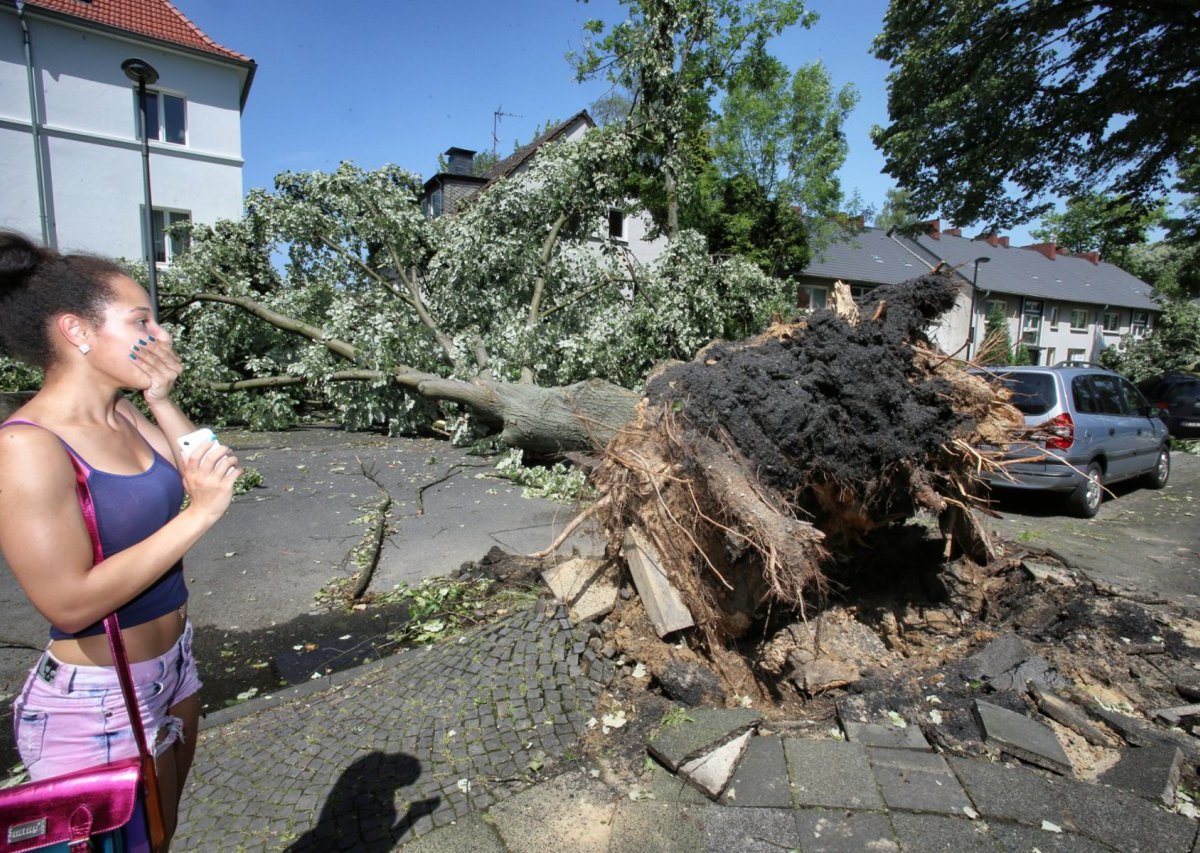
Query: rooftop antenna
x=496, y=116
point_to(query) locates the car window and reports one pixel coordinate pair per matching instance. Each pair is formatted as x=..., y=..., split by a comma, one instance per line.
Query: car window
x=1081, y=393
x=1106, y=393
x=1182, y=392
x=1135, y=403
x=1032, y=393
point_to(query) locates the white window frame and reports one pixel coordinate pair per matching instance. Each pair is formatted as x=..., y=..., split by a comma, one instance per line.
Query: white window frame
x=1053, y=318
x=1139, y=323
x=1111, y=322
x=158, y=133
x=1079, y=321
x=1031, y=320
x=1075, y=355
x=818, y=296
x=171, y=246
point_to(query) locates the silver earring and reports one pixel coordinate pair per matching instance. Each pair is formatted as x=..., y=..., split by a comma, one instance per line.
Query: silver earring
x=85, y=348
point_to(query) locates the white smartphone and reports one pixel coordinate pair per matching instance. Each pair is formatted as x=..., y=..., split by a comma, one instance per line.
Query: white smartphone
x=198, y=439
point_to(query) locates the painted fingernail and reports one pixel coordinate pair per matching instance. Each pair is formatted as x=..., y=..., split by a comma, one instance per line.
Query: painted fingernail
x=133, y=357
x=143, y=343
x=136, y=348
x=151, y=337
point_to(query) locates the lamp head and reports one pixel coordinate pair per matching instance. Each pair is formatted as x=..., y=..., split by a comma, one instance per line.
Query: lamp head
x=140, y=71
x=982, y=260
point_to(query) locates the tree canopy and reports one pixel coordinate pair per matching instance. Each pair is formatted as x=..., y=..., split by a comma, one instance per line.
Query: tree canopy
x=1099, y=223
x=995, y=107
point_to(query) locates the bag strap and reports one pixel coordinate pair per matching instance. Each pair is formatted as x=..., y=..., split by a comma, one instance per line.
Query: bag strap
x=116, y=645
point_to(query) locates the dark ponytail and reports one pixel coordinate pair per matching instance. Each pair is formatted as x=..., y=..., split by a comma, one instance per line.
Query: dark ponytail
x=37, y=285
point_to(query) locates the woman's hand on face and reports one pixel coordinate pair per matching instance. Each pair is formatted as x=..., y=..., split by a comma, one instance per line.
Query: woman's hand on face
x=155, y=358
x=208, y=476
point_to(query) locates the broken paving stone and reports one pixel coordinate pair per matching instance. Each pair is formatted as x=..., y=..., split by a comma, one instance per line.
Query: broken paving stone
x=698, y=732
x=892, y=737
x=1022, y=737
x=1182, y=715
x=664, y=605
x=997, y=657
x=1035, y=670
x=691, y=683
x=712, y=772
x=587, y=586
x=1044, y=572
x=1150, y=771
x=817, y=676
x=1139, y=733
x=1064, y=713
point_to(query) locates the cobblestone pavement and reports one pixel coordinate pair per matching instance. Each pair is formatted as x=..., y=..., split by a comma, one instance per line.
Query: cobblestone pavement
x=398, y=751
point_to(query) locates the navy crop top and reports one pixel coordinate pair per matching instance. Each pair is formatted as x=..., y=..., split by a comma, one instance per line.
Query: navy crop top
x=129, y=508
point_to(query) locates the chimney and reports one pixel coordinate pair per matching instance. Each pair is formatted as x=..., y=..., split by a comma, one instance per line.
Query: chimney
x=1003, y=242
x=934, y=227
x=953, y=232
x=991, y=239
x=1094, y=257
x=459, y=161
x=1049, y=250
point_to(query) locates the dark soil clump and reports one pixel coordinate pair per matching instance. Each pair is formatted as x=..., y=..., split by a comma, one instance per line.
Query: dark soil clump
x=836, y=403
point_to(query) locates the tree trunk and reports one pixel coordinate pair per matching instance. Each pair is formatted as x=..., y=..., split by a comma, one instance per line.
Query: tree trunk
x=583, y=416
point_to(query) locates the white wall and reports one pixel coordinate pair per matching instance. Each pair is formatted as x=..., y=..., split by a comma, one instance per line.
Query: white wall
x=91, y=150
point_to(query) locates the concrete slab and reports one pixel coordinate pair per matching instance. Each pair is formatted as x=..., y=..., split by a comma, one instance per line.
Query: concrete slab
x=664, y=604
x=587, y=586
x=1180, y=715
x=1151, y=772
x=699, y=731
x=570, y=812
x=928, y=833
x=823, y=831
x=761, y=780
x=666, y=827
x=749, y=830
x=468, y=833
x=997, y=657
x=1124, y=821
x=917, y=781
x=1022, y=737
x=831, y=774
x=712, y=772
x=1010, y=793
x=1022, y=839
x=658, y=783
x=892, y=737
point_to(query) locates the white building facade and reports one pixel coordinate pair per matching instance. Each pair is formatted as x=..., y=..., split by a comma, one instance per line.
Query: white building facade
x=70, y=147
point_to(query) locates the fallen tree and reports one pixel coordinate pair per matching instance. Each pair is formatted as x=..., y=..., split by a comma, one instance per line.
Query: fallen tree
x=755, y=468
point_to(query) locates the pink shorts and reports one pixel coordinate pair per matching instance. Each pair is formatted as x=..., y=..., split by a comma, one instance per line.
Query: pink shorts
x=69, y=717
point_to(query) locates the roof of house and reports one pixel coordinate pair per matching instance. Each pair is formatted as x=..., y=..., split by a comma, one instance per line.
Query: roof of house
x=157, y=19
x=518, y=158
x=873, y=256
x=1028, y=272
x=869, y=256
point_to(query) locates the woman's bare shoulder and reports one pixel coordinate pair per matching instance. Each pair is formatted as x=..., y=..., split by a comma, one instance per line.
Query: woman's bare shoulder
x=28, y=452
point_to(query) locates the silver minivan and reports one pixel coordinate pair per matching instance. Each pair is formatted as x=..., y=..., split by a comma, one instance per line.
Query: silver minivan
x=1090, y=427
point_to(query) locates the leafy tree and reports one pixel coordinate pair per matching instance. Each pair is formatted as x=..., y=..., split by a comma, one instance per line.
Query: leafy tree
x=1173, y=345
x=1040, y=97
x=1172, y=268
x=785, y=131
x=673, y=56
x=896, y=211
x=1098, y=223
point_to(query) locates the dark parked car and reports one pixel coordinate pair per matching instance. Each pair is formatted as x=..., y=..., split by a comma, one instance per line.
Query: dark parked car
x=1178, y=396
x=1093, y=427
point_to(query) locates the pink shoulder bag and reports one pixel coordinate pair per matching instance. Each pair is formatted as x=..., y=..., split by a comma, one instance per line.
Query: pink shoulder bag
x=95, y=808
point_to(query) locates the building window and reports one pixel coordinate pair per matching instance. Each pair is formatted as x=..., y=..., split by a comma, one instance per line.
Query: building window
x=997, y=306
x=168, y=247
x=1140, y=324
x=1078, y=320
x=616, y=224
x=1051, y=353
x=166, y=117
x=1112, y=321
x=1031, y=321
x=859, y=292
x=814, y=296
x=1076, y=356
x=1053, y=318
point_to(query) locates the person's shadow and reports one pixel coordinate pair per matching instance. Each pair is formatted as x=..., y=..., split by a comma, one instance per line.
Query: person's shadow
x=362, y=807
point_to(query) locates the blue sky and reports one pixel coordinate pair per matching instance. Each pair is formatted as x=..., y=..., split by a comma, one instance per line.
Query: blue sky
x=377, y=81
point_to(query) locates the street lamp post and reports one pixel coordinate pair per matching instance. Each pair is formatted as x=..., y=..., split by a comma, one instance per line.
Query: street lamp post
x=142, y=72
x=974, y=290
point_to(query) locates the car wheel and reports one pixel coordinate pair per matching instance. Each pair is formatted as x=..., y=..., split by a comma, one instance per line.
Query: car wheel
x=1161, y=472
x=1085, y=501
